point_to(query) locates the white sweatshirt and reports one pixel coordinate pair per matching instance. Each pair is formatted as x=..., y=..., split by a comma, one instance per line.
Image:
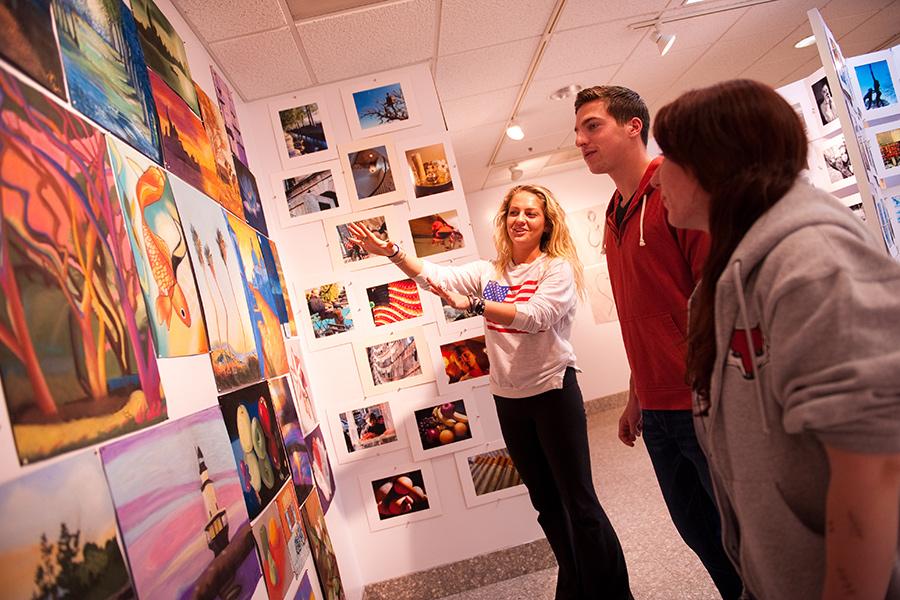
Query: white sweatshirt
x=530, y=355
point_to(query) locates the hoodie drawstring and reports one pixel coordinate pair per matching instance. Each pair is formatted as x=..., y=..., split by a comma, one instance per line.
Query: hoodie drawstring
x=643, y=206
x=757, y=384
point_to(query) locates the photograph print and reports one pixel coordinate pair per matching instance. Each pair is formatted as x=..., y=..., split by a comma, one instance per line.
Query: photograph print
x=429, y=170
x=302, y=131
x=164, y=51
x=876, y=82
x=436, y=234
x=394, y=302
x=487, y=474
x=837, y=160
x=306, y=409
x=825, y=101
x=378, y=105
x=465, y=360
x=441, y=425
x=368, y=427
x=347, y=254
x=79, y=366
x=105, y=70
x=887, y=138
x=310, y=194
x=330, y=313
x=179, y=505
x=29, y=43
x=392, y=361
x=399, y=495
x=370, y=169
x=452, y=323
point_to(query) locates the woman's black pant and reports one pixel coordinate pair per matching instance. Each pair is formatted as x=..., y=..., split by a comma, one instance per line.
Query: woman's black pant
x=546, y=436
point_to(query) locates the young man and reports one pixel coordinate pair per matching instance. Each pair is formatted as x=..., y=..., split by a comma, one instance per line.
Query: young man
x=653, y=269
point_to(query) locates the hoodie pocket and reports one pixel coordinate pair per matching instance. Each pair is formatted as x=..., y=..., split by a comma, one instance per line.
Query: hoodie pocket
x=657, y=349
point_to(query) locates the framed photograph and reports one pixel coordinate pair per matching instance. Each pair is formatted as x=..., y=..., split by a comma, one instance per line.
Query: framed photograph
x=391, y=300
x=836, y=163
x=390, y=362
x=487, y=474
x=401, y=495
x=824, y=100
x=452, y=322
x=330, y=311
x=372, y=172
x=428, y=170
x=367, y=429
x=442, y=235
x=310, y=193
x=443, y=425
x=461, y=363
x=377, y=105
x=875, y=84
x=885, y=141
x=383, y=222
x=302, y=130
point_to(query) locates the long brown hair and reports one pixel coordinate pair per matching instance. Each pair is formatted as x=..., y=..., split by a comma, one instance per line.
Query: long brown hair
x=745, y=145
x=556, y=241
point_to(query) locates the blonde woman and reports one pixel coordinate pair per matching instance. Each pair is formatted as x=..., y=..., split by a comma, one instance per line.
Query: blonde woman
x=528, y=297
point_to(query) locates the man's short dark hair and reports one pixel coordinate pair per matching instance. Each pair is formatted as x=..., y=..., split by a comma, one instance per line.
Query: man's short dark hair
x=622, y=105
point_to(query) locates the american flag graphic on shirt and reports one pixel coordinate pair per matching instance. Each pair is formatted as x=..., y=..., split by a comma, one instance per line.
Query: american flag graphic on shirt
x=510, y=294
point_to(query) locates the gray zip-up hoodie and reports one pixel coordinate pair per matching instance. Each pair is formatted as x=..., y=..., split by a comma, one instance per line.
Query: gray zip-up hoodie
x=808, y=337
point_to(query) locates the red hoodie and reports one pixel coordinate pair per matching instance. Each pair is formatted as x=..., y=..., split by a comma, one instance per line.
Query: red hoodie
x=653, y=268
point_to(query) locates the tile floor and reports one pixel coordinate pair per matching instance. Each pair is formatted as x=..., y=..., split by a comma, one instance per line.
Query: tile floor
x=660, y=566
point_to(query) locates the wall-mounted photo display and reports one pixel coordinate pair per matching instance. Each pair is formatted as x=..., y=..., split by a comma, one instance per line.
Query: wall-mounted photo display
x=330, y=311
x=453, y=323
x=429, y=170
x=365, y=430
x=278, y=285
x=61, y=510
x=383, y=222
x=885, y=142
x=875, y=82
x=273, y=549
x=302, y=130
x=34, y=49
x=322, y=550
x=461, y=363
x=377, y=105
x=75, y=371
x=599, y=290
x=372, y=172
x=586, y=226
x=825, y=101
x=306, y=408
x=884, y=211
x=392, y=361
x=392, y=301
x=442, y=425
x=291, y=435
x=442, y=235
x=487, y=474
x=400, y=495
x=310, y=193
x=256, y=444
x=836, y=162
x=181, y=511
x=855, y=204
x=105, y=71
x=321, y=467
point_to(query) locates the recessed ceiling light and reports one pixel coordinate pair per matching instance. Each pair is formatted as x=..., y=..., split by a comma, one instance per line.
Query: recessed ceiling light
x=566, y=92
x=807, y=41
x=514, y=132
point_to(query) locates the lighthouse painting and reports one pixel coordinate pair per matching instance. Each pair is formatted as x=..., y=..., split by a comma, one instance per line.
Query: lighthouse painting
x=178, y=501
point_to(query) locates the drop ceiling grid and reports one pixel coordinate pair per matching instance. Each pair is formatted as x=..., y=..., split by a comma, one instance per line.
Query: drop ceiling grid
x=588, y=48
x=216, y=20
x=470, y=24
x=484, y=69
x=512, y=150
x=472, y=111
x=379, y=38
x=581, y=13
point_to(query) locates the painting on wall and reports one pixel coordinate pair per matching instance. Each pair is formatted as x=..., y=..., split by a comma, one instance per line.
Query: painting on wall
x=292, y=525
x=263, y=316
x=292, y=436
x=229, y=115
x=393, y=361
x=305, y=591
x=229, y=194
x=29, y=42
x=232, y=346
x=185, y=145
x=278, y=286
x=179, y=506
x=160, y=249
x=488, y=474
x=429, y=170
x=437, y=234
x=77, y=361
x=105, y=70
x=381, y=104
x=321, y=467
x=59, y=542
x=272, y=545
x=164, y=51
x=251, y=202
x=599, y=289
x=399, y=495
x=306, y=409
x=302, y=131
x=322, y=550
x=256, y=444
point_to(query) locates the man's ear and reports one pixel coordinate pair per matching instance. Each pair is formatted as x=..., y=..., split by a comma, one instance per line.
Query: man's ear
x=635, y=127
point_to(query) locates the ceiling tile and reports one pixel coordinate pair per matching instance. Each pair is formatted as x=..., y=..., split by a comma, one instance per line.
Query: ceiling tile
x=588, y=48
x=304, y=9
x=366, y=41
x=876, y=32
x=472, y=111
x=759, y=18
x=843, y=8
x=557, y=119
x=539, y=91
x=652, y=74
x=527, y=148
x=262, y=65
x=472, y=171
x=222, y=19
x=470, y=24
x=579, y=13
x=485, y=69
x=691, y=33
x=774, y=72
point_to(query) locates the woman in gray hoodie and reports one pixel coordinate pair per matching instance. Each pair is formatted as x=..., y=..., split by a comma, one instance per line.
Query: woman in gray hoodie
x=793, y=351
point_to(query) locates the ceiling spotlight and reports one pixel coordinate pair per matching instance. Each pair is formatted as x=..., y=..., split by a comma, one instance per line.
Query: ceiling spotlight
x=514, y=131
x=807, y=41
x=515, y=173
x=663, y=41
x=566, y=92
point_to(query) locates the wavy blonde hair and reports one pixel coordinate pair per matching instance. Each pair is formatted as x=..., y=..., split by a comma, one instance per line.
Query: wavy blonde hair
x=557, y=242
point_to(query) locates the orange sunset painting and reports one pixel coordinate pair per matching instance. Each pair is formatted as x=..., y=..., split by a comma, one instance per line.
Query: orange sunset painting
x=186, y=148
